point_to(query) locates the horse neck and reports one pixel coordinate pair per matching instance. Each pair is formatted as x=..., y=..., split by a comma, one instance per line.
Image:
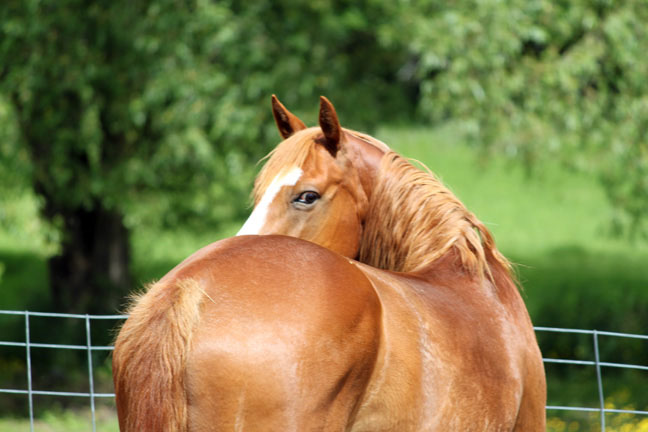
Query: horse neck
x=414, y=221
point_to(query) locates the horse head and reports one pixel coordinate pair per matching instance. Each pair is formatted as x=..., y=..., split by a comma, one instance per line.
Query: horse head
x=317, y=183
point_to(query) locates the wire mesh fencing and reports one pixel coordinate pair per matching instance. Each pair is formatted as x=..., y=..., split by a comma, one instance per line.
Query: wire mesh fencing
x=88, y=347
x=28, y=344
x=599, y=366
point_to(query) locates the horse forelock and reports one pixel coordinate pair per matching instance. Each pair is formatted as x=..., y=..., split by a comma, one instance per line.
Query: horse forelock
x=413, y=220
x=290, y=153
x=293, y=152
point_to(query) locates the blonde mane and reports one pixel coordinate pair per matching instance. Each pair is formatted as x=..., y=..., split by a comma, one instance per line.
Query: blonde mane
x=413, y=220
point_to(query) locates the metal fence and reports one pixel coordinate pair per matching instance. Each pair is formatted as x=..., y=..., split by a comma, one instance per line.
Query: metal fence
x=88, y=347
x=92, y=395
x=598, y=365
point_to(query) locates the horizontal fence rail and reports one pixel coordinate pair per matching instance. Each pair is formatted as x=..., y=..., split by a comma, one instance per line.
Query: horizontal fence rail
x=92, y=395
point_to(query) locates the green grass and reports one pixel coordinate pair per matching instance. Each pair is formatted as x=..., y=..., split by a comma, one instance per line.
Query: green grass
x=58, y=420
x=155, y=253
x=24, y=247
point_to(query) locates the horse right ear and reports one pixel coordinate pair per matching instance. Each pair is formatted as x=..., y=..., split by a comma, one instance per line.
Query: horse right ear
x=287, y=122
x=330, y=125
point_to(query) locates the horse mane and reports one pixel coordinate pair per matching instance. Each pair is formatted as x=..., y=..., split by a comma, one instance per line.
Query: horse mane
x=413, y=220
x=369, y=140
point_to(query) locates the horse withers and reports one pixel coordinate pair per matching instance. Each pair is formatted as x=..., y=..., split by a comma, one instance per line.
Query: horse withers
x=426, y=331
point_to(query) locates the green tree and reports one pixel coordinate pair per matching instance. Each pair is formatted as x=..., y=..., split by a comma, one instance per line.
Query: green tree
x=108, y=98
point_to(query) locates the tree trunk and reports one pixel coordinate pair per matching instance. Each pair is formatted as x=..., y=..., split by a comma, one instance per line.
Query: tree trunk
x=91, y=274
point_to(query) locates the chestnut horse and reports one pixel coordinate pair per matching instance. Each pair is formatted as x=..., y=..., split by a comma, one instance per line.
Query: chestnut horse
x=425, y=332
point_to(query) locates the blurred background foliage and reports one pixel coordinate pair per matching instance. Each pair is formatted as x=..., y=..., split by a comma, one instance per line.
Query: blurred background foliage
x=129, y=133
x=545, y=79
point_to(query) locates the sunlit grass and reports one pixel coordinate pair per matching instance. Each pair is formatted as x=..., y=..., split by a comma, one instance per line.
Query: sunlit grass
x=71, y=420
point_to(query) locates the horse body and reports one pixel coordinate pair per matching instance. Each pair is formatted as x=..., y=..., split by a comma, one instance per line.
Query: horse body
x=336, y=346
x=427, y=332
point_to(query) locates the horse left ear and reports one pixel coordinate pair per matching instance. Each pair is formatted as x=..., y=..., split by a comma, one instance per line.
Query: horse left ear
x=330, y=125
x=287, y=122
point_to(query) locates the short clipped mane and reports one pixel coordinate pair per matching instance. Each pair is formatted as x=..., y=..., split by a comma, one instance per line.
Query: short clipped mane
x=413, y=220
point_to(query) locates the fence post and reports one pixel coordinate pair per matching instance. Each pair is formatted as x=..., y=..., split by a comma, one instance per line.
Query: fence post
x=29, y=373
x=90, y=374
x=598, y=379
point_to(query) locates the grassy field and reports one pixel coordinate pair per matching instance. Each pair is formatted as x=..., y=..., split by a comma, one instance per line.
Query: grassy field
x=553, y=224
x=73, y=420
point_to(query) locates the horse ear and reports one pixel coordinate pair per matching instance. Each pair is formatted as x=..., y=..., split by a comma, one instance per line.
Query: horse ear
x=287, y=122
x=330, y=125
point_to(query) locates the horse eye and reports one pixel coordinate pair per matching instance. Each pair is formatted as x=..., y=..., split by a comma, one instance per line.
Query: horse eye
x=308, y=197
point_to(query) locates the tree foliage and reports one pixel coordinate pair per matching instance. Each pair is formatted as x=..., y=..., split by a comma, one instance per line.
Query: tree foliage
x=544, y=79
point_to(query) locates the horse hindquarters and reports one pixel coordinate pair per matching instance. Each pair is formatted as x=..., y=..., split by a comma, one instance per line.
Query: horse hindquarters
x=250, y=333
x=287, y=340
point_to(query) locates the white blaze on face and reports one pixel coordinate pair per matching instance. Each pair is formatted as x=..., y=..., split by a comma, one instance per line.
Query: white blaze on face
x=257, y=219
